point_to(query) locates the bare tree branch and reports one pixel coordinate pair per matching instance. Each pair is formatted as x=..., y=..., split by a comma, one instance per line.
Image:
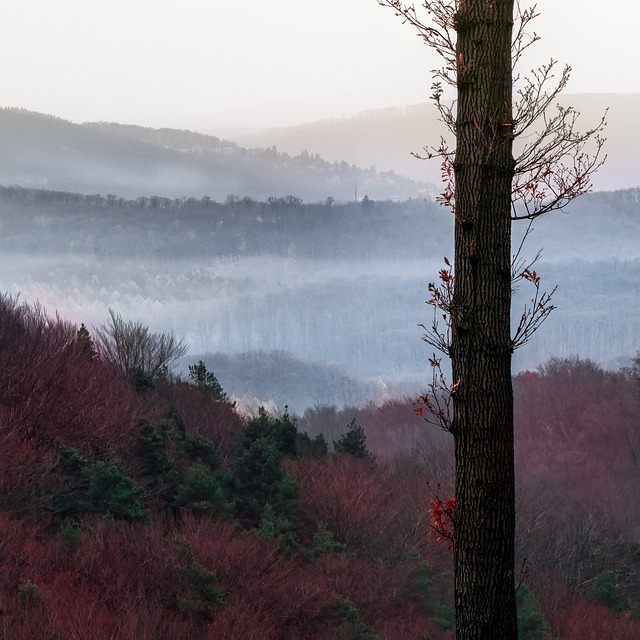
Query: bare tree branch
x=130, y=345
x=557, y=161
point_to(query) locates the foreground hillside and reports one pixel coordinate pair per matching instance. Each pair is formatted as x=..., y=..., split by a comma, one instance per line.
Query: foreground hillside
x=42, y=151
x=137, y=505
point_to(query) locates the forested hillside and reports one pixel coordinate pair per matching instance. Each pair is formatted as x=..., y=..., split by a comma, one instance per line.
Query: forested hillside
x=43, y=151
x=140, y=505
x=387, y=137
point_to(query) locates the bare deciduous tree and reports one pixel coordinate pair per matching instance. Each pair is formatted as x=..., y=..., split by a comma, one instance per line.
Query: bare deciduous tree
x=131, y=346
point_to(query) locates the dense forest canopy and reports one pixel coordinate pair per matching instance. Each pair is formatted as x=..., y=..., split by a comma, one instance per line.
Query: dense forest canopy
x=141, y=505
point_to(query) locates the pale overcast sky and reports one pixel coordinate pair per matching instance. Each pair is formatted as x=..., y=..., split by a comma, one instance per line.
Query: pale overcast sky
x=259, y=63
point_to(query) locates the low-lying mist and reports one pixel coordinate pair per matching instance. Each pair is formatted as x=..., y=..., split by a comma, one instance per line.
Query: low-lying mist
x=312, y=304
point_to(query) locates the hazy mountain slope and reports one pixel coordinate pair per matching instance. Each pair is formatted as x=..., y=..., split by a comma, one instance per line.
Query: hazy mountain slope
x=41, y=151
x=386, y=138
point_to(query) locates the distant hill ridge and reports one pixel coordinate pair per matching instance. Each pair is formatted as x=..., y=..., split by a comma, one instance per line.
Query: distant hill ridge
x=386, y=138
x=43, y=151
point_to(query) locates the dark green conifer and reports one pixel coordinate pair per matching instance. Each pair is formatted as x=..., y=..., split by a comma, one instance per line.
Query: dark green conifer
x=353, y=442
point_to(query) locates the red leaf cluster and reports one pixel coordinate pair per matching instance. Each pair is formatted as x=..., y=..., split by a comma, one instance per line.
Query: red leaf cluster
x=531, y=276
x=442, y=518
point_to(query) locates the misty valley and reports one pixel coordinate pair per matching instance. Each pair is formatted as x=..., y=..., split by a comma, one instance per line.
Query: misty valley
x=301, y=303
x=280, y=481
x=319, y=320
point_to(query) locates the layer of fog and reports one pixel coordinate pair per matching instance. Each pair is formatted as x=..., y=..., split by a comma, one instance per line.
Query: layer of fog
x=321, y=329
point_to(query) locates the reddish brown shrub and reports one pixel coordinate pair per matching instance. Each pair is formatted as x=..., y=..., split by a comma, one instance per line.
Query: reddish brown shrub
x=52, y=388
x=584, y=620
x=118, y=582
x=365, y=505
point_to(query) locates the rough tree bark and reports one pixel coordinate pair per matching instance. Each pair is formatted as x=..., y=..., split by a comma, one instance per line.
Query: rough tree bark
x=481, y=347
x=480, y=42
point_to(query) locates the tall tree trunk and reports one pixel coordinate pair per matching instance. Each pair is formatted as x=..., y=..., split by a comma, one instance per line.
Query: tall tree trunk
x=481, y=342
